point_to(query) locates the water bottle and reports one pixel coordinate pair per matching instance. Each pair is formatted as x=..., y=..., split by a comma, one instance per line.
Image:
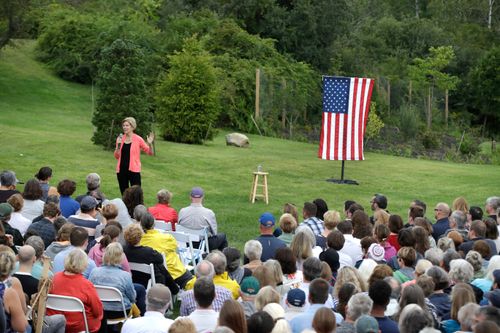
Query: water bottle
x=259, y=168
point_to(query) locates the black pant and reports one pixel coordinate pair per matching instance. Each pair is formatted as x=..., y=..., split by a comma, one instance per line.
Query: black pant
x=216, y=242
x=126, y=177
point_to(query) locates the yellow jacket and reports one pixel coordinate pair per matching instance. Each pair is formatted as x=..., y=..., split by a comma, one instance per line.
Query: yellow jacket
x=221, y=280
x=166, y=245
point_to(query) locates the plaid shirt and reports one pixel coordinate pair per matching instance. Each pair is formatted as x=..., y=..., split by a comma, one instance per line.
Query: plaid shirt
x=188, y=304
x=315, y=224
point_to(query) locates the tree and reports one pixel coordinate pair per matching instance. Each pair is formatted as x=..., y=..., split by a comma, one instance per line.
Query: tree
x=122, y=92
x=187, y=98
x=429, y=72
x=11, y=14
x=485, y=85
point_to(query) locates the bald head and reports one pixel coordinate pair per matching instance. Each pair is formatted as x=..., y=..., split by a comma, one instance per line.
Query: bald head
x=158, y=298
x=26, y=254
x=442, y=210
x=205, y=269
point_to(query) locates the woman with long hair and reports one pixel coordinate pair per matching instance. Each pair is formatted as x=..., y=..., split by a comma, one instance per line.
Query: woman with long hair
x=33, y=203
x=381, y=234
x=232, y=315
x=110, y=235
x=128, y=151
x=461, y=294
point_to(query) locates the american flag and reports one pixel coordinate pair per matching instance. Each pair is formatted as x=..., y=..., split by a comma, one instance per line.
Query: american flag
x=346, y=102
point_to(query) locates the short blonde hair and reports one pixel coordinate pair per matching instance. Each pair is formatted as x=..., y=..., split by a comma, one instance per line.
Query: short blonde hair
x=76, y=262
x=164, y=196
x=265, y=296
x=288, y=223
x=113, y=255
x=182, y=325
x=276, y=273
x=7, y=261
x=331, y=218
x=133, y=234
x=131, y=121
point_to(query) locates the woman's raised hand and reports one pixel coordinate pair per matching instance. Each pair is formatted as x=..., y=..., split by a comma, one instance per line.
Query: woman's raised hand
x=151, y=138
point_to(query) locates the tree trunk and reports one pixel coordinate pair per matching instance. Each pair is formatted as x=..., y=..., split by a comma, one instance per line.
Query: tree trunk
x=416, y=9
x=389, y=98
x=446, y=108
x=491, y=3
x=410, y=91
x=283, y=111
x=429, y=109
x=257, y=94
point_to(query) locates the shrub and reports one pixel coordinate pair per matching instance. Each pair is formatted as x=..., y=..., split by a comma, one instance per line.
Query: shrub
x=122, y=92
x=375, y=124
x=187, y=98
x=430, y=140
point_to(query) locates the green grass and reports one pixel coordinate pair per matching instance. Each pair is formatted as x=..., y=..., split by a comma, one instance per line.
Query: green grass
x=46, y=121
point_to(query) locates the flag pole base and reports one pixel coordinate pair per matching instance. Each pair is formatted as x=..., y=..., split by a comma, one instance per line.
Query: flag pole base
x=342, y=181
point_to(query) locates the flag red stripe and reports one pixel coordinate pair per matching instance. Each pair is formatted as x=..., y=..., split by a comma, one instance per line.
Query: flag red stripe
x=328, y=133
x=361, y=120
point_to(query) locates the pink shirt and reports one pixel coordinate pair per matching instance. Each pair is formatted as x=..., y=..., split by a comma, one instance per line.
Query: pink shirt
x=137, y=145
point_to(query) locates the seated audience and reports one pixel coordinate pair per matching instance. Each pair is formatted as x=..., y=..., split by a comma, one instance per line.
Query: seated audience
x=310, y=220
x=110, y=235
x=61, y=242
x=352, y=246
x=439, y=298
x=249, y=288
x=68, y=205
x=71, y=282
x=381, y=234
x=204, y=317
x=413, y=319
x=336, y=241
x=461, y=294
x=111, y=274
x=162, y=210
x=295, y=302
x=253, y=253
x=291, y=275
x=232, y=316
x=395, y=225
x=5, y=213
x=406, y=259
x=380, y=293
x=14, y=301
x=221, y=277
x=166, y=245
x=204, y=269
x=359, y=304
x=260, y=322
x=137, y=253
x=33, y=203
x=86, y=218
x=477, y=232
x=8, y=182
x=26, y=257
x=17, y=220
x=441, y=213
x=288, y=224
x=45, y=227
x=269, y=243
x=78, y=239
x=158, y=300
x=234, y=268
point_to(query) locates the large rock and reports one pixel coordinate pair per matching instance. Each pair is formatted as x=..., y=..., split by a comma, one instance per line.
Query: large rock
x=237, y=139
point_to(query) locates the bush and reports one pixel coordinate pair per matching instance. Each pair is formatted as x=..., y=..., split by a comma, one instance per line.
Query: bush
x=375, y=124
x=430, y=140
x=187, y=98
x=122, y=92
x=408, y=121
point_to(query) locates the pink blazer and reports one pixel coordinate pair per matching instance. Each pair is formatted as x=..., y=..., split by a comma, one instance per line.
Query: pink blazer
x=138, y=144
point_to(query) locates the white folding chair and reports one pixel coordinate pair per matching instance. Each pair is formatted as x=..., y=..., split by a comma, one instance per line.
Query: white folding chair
x=67, y=304
x=146, y=269
x=198, y=235
x=163, y=226
x=185, y=249
x=111, y=294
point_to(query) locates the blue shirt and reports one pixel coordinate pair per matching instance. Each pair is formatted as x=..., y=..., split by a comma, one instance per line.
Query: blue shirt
x=68, y=206
x=304, y=320
x=59, y=262
x=269, y=246
x=440, y=228
x=387, y=325
x=114, y=276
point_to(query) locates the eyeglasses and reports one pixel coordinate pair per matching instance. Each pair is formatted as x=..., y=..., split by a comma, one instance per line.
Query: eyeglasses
x=437, y=209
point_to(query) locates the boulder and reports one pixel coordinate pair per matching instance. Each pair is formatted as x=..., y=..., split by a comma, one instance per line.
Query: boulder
x=237, y=139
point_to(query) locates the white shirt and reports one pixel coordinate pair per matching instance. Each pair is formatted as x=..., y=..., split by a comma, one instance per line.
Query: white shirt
x=352, y=247
x=205, y=320
x=152, y=322
x=19, y=222
x=32, y=209
x=345, y=260
x=293, y=311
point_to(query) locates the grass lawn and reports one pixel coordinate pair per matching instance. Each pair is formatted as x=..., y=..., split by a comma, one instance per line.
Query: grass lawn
x=46, y=121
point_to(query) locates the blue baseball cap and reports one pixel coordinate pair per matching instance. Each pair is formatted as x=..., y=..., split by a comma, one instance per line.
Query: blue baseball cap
x=196, y=192
x=296, y=297
x=267, y=219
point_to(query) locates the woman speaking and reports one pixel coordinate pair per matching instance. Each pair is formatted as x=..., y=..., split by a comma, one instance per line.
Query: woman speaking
x=128, y=153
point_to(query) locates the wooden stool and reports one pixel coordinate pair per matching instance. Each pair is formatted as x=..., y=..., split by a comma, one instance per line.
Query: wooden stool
x=253, y=193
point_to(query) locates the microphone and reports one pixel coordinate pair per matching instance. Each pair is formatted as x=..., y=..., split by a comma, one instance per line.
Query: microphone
x=121, y=141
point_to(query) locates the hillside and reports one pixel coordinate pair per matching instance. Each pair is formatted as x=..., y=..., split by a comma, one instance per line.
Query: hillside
x=46, y=121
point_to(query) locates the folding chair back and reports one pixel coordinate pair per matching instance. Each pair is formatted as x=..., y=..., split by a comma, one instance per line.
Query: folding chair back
x=111, y=294
x=185, y=249
x=146, y=269
x=67, y=304
x=197, y=235
x=163, y=226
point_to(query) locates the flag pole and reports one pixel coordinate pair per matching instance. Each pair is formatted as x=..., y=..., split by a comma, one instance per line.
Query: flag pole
x=342, y=171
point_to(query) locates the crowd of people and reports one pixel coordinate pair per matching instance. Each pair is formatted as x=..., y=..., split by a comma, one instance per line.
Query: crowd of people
x=313, y=269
